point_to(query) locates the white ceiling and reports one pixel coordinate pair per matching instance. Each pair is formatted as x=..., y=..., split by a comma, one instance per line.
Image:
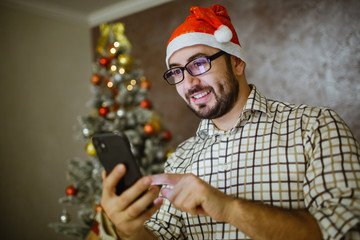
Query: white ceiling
x=91, y=12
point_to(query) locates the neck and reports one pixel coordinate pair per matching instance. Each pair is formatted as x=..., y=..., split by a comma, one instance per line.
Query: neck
x=227, y=121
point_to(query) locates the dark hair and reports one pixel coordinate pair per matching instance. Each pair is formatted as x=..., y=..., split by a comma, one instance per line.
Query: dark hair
x=228, y=60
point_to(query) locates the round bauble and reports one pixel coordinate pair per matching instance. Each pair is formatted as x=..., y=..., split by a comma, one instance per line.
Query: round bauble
x=167, y=135
x=71, y=191
x=96, y=79
x=103, y=111
x=145, y=84
x=145, y=104
x=149, y=129
x=104, y=61
x=125, y=60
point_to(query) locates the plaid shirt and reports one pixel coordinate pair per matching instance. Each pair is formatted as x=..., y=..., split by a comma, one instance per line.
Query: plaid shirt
x=295, y=157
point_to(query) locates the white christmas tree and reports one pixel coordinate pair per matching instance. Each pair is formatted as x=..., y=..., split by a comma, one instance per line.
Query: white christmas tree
x=119, y=103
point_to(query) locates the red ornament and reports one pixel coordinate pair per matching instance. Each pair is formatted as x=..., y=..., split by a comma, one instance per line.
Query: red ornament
x=71, y=191
x=145, y=84
x=149, y=129
x=145, y=103
x=103, y=111
x=104, y=61
x=167, y=135
x=96, y=79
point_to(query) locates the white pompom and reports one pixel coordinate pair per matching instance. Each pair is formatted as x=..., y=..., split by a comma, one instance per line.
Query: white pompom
x=223, y=34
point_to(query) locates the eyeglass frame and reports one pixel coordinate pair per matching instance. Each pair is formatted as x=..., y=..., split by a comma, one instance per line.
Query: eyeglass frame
x=209, y=58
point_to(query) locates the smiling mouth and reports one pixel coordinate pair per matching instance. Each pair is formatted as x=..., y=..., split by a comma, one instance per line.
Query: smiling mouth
x=203, y=94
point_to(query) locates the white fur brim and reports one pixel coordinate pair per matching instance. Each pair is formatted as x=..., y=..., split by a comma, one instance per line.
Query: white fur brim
x=191, y=39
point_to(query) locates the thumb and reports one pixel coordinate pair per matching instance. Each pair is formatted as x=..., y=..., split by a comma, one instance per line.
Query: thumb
x=167, y=193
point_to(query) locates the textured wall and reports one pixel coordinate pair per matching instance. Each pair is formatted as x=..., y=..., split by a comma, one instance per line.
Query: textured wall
x=297, y=51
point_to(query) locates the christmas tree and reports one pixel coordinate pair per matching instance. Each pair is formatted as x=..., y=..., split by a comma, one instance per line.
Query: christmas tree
x=119, y=103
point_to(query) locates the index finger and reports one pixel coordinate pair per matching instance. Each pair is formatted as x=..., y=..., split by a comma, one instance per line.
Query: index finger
x=166, y=178
x=110, y=181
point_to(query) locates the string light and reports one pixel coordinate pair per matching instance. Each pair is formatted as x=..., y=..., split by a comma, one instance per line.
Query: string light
x=113, y=68
x=133, y=82
x=112, y=50
x=121, y=70
x=130, y=87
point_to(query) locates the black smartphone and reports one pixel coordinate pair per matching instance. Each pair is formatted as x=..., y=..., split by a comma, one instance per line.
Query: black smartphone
x=115, y=148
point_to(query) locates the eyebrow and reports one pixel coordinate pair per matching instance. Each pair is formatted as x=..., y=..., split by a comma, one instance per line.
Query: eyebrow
x=188, y=60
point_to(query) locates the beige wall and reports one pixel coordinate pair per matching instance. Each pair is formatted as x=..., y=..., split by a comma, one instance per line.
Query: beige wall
x=298, y=51
x=44, y=74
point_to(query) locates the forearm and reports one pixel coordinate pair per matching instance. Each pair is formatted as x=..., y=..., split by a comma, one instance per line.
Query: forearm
x=261, y=221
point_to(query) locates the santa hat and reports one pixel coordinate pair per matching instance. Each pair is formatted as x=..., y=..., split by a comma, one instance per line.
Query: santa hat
x=206, y=26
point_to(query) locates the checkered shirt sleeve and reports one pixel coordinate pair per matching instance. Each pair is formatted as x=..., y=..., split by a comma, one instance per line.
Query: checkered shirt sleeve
x=332, y=181
x=294, y=157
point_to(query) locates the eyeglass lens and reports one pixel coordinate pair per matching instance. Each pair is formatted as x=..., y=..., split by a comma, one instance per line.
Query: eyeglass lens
x=196, y=67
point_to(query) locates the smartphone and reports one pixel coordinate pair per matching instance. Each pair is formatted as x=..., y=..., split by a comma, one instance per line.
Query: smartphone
x=115, y=148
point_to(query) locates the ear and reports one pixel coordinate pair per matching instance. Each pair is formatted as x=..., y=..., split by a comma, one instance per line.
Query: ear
x=238, y=65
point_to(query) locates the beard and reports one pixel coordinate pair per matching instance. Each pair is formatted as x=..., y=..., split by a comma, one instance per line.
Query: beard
x=224, y=100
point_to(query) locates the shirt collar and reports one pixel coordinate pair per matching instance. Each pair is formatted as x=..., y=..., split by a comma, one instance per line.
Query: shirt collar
x=256, y=103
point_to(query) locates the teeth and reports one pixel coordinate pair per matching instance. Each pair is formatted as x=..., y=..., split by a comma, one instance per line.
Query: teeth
x=201, y=95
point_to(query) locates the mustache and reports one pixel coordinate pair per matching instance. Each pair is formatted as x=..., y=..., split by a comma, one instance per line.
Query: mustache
x=197, y=88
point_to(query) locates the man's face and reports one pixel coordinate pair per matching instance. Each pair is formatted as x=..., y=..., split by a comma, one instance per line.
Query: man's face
x=212, y=94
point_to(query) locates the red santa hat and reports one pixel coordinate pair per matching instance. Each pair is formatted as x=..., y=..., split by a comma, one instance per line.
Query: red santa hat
x=206, y=26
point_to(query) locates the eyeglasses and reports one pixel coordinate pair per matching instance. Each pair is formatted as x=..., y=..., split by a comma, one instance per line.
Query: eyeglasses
x=195, y=67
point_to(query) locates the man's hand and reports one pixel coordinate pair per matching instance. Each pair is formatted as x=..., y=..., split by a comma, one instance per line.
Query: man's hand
x=195, y=196
x=128, y=212
x=259, y=221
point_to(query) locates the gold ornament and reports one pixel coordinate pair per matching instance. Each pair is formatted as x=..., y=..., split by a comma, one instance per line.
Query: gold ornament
x=90, y=149
x=157, y=126
x=125, y=60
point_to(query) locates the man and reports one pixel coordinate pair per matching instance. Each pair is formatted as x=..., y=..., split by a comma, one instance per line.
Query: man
x=257, y=168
